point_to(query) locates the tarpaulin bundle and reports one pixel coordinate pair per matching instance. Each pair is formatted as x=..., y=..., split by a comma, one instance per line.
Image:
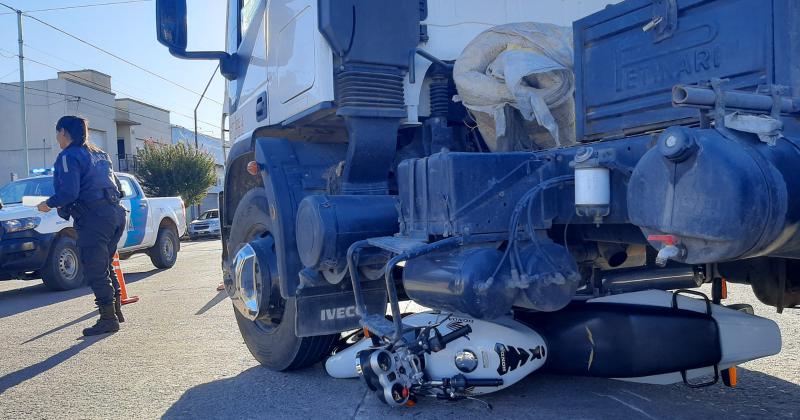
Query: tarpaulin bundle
x=520, y=70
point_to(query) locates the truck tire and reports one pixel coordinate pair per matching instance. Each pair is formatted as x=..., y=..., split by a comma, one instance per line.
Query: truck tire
x=63, y=270
x=165, y=251
x=273, y=343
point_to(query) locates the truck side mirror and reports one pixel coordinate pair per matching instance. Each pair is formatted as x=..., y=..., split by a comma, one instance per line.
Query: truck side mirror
x=171, y=29
x=171, y=23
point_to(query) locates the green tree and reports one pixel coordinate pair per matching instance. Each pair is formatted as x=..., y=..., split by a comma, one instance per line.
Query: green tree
x=175, y=170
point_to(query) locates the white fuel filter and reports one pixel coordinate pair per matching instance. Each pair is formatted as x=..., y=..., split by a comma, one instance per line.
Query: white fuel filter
x=592, y=186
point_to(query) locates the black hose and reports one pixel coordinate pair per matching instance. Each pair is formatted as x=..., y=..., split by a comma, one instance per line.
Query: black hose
x=513, y=223
x=361, y=307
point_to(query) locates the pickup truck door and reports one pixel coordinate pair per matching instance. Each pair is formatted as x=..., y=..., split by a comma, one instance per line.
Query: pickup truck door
x=137, y=214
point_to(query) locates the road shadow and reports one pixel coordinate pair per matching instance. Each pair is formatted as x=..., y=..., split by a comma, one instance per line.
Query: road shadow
x=15, y=378
x=133, y=277
x=554, y=396
x=187, y=240
x=221, y=295
x=258, y=392
x=23, y=299
x=86, y=317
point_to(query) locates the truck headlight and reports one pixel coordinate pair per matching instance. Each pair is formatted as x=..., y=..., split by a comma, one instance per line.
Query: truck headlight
x=25, y=223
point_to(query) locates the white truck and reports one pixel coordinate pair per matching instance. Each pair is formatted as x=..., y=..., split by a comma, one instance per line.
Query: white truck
x=550, y=193
x=35, y=244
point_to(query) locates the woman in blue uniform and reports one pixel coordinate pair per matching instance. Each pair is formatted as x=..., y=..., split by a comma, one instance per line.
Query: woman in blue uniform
x=87, y=190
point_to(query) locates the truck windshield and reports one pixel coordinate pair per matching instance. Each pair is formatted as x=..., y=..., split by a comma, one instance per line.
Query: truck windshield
x=13, y=192
x=211, y=214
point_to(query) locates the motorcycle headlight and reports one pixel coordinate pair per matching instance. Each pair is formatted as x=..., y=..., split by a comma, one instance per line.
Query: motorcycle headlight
x=25, y=223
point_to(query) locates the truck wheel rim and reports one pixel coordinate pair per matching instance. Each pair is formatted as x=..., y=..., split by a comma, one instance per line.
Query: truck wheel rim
x=168, y=250
x=253, y=299
x=68, y=264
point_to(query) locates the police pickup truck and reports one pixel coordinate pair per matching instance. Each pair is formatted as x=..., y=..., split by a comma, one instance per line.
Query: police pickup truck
x=35, y=244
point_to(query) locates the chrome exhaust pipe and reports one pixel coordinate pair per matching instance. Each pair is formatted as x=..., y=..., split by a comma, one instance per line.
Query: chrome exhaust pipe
x=668, y=278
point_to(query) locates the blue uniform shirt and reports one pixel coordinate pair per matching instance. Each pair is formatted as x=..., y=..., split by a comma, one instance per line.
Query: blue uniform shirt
x=81, y=175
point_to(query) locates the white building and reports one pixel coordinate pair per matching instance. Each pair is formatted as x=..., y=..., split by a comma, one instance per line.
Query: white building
x=118, y=126
x=86, y=93
x=138, y=122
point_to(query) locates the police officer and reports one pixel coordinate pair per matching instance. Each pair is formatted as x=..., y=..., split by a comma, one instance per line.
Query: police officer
x=87, y=189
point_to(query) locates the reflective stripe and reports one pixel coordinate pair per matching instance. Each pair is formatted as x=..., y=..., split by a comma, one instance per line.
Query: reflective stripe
x=64, y=163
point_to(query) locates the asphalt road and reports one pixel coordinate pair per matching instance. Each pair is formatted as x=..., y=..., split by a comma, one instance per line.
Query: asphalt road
x=180, y=356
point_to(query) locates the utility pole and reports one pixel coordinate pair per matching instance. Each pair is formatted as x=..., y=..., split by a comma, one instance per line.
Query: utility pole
x=222, y=139
x=23, y=117
x=196, y=143
x=222, y=130
x=196, y=146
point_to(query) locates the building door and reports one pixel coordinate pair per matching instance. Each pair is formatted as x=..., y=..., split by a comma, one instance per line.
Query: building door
x=121, y=163
x=121, y=148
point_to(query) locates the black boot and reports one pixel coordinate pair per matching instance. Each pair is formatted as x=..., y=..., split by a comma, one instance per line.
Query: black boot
x=118, y=309
x=106, y=324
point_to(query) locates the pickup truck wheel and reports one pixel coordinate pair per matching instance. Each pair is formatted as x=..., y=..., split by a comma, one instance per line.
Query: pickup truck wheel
x=63, y=270
x=165, y=251
x=271, y=341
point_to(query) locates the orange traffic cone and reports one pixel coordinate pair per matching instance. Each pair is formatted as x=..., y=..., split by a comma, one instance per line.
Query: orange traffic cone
x=122, y=289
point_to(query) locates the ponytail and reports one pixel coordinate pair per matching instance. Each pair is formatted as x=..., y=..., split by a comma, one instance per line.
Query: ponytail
x=78, y=130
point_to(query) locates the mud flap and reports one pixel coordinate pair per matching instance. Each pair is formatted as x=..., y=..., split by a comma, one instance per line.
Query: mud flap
x=334, y=312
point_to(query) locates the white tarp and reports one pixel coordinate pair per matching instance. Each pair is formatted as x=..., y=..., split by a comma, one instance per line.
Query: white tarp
x=526, y=67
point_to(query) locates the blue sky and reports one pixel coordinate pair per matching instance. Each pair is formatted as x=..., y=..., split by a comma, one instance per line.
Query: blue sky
x=127, y=30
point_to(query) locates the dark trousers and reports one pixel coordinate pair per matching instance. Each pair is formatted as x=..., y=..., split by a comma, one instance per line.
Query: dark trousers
x=99, y=231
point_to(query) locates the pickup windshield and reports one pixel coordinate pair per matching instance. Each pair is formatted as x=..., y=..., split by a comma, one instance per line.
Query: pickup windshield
x=211, y=214
x=13, y=192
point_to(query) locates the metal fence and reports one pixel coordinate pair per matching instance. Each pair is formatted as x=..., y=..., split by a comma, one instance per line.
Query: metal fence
x=127, y=163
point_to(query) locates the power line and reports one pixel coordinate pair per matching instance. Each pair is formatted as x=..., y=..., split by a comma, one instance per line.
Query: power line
x=28, y=104
x=80, y=6
x=82, y=98
x=109, y=89
x=12, y=86
x=99, y=85
x=117, y=56
x=9, y=74
x=81, y=66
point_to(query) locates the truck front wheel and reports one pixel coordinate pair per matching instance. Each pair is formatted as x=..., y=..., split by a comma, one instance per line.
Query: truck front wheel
x=272, y=340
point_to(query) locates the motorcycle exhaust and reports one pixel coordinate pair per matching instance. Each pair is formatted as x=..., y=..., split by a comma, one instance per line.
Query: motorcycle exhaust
x=653, y=337
x=668, y=278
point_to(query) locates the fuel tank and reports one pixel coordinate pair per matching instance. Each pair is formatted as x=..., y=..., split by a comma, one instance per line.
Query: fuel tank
x=719, y=195
x=469, y=280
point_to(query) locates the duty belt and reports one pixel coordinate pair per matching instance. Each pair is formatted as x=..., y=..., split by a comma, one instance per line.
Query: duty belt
x=79, y=209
